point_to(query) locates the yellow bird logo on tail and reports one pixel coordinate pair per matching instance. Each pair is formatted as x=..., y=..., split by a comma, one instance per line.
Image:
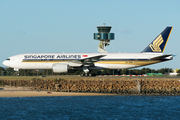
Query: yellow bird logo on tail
x=155, y=47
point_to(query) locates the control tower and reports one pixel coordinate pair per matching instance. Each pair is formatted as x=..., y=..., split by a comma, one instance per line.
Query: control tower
x=104, y=36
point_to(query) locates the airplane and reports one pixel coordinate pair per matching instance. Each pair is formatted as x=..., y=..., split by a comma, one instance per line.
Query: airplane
x=64, y=62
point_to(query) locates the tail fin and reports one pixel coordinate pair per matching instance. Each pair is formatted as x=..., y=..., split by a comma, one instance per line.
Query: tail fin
x=159, y=43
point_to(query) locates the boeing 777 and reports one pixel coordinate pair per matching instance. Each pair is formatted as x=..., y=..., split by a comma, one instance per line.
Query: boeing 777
x=63, y=62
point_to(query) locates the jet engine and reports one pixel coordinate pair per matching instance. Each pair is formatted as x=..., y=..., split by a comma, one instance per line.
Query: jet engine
x=60, y=67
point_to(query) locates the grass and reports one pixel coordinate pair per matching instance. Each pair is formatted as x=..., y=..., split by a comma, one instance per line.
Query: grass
x=1, y=83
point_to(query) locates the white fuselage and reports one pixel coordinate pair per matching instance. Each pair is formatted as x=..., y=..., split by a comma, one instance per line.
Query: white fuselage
x=109, y=61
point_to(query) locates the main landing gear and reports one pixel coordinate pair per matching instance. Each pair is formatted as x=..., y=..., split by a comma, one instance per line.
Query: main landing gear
x=85, y=75
x=86, y=72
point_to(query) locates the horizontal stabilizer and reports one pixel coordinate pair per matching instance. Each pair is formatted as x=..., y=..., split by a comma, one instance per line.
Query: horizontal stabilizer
x=160, y=57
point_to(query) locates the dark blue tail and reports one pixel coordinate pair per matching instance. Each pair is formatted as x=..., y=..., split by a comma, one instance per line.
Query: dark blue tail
x=159, y=43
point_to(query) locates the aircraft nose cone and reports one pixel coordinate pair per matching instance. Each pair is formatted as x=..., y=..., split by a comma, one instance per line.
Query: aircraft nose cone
x=6, y=63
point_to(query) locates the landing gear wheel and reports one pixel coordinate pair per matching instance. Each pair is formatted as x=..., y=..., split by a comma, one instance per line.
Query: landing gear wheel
x=82, y=75
x=86, y=74
x=89, y=75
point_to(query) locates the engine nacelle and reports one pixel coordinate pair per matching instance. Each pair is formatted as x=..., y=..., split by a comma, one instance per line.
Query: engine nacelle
x=60, y=67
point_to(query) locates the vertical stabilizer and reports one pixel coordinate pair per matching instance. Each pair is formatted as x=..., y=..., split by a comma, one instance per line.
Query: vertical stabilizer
x=159, y=43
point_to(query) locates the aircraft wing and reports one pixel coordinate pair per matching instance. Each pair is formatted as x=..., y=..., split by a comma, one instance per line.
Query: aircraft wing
x=88, y=61
x=161, y=57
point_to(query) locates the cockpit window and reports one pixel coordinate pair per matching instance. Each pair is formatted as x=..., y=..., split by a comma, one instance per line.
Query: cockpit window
x=8, y=59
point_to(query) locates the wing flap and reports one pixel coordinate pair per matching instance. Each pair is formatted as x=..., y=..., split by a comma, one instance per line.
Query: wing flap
x=88, y=61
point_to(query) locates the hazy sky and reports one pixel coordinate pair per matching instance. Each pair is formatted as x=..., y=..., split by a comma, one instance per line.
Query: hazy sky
x=55, y=26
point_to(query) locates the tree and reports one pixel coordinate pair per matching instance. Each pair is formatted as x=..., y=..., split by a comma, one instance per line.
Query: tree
x=124, y=71
x=178, y=72
x=145, y=70
x=10, y=71
x=2, y=71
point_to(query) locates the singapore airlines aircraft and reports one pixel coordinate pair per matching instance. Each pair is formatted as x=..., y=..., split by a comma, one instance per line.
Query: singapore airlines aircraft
x=63, y=62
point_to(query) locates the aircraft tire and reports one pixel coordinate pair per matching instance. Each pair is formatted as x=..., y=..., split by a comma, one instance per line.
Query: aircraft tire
x=82, y=75
x=86, y=74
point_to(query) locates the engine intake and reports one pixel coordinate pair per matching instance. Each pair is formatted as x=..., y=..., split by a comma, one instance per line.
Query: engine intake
x=60, y=67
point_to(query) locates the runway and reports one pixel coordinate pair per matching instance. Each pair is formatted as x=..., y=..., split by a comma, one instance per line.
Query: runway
x=77, y=77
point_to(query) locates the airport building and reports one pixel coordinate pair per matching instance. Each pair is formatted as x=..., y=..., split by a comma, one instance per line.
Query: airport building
x=104, y=36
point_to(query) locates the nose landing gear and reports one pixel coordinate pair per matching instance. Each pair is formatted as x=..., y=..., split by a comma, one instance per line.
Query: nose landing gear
x=17, y=71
